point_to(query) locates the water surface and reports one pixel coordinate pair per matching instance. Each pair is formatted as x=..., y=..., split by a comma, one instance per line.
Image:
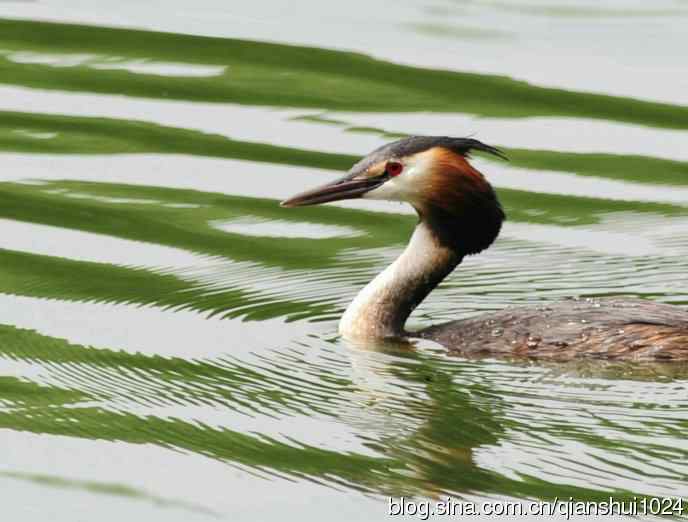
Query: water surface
x=168, y=344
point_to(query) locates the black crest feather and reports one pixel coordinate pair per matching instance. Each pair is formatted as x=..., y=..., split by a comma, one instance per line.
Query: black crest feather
x=415, y=144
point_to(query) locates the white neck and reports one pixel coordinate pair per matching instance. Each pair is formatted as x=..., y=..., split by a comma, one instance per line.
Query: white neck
x=382, y=307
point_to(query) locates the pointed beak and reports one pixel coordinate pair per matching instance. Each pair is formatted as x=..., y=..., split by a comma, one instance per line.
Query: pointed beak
x=344, y=188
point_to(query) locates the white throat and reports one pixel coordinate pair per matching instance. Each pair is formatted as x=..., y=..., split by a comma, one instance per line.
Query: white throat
x=382, y=307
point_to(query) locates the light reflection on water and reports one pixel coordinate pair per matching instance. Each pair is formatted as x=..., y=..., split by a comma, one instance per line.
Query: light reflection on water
x=168, y=341
x=310, y=129
x=114, y=62
x=249, y=226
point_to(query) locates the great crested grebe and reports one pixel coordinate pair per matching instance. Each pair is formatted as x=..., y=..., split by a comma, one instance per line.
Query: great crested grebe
x=459, y=215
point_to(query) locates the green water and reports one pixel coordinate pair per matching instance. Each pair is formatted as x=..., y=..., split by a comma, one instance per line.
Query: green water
x=168, y=345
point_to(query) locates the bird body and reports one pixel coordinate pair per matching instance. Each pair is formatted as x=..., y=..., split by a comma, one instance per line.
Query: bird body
x=460, y=215
x=610, y=328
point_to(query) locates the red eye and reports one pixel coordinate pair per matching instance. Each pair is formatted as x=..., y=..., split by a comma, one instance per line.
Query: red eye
x=394, y=168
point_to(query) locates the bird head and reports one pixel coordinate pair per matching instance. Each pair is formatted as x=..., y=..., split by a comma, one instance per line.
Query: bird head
x=433, y=175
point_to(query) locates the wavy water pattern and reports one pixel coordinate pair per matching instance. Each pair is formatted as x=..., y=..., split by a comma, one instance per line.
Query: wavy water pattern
x=168, y=333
